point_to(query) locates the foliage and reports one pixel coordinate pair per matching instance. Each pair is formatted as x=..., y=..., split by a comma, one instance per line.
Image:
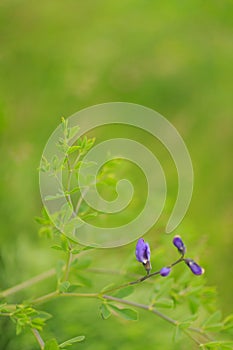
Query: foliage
x=200, y=320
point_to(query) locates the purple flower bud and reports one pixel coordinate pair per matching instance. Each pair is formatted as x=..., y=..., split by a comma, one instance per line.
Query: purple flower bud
x=143, y=254
x=165, y=271
x=194, y=267
x=178, y=243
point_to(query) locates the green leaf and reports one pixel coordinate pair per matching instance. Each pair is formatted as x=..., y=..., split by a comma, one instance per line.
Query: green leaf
x=44, y=315
x=56, y=163
x=38, y=323
x=75, y=189
x=64, y=243
x=44, y=165
x=19, y=328
x=212, y=319
x=63, y=287
x=107, y=287
x=2, y=307
x=66, y=212
x=164, y=303
x=105, y=312
x=79, y=250
x=194, y=303
x=53, y=197
x=86, y=281
x=218, y=345
x=73, y=149
x=216, y=327
x=72, y=341
x=46, y=231
x=76, y=251
x=64, y=124
x=177, y=335
x=56, y=247
x=74, y=287
x=124, y=292
x=127, y=314
x=228, y=322
x=51, y=345
x=82, y=263
x=73, y=131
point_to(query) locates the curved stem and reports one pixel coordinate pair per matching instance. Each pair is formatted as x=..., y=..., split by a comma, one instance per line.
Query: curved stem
x=141, y=279
x=38, y=338
x=144, y=307
x=141, y=306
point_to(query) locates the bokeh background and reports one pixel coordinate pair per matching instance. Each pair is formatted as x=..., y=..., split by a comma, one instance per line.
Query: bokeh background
x=57, y=57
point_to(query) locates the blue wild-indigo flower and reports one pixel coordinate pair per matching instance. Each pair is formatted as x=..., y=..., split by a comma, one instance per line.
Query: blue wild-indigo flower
x=194, y=267
x=165, y=271
x=179, y=244
x=143, y=254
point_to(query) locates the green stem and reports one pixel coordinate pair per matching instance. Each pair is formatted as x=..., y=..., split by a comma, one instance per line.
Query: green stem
x=146, y=277
x=67, y=266
x=191, y=337
x=44, y=275
x=141, y=306
x=82, y=195
x=53, y=295
x=38, y=338
x=144, y=307
x=32, y=281
x=45, y=298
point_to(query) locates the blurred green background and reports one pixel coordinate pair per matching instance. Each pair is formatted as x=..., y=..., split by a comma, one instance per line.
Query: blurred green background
x=58, y=57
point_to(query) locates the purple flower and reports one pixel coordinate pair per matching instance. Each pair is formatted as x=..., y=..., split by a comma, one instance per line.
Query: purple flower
x=194, y=267
x=178, y=243
x=143, y=253
x=165, y=271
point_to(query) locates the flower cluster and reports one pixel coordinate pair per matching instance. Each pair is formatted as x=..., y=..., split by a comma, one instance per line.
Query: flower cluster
x=143, y=255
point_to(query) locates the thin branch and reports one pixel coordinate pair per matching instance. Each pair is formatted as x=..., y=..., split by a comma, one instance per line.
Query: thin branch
x=141, y=306
x=38, y=338
x=42, y=276
x=67, y=266
x=31, y=281
x=191, y=336
x=82, y=195
x=146, y=277
x=45, y=298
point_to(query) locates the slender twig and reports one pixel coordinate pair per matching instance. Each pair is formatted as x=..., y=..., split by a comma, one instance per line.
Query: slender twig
x=68, y=196
x=45, y=298
x=76, y=160
x=38, y=338
x=141, y=306
x=42, y=276
x=68, y=262
x=32, y=281
x=106, y=271
x=141, y=279
x=53, y=295
x=191, y=336
x=82, y=195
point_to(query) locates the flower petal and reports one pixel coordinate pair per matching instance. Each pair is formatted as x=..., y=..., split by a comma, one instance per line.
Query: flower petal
x=165, y=271
x=142, y=251
x=194, y=267
x=179, y=244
